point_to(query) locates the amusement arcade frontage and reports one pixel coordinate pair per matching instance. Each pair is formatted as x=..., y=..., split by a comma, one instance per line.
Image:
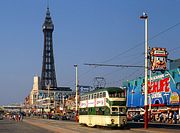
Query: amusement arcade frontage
x=163, y=93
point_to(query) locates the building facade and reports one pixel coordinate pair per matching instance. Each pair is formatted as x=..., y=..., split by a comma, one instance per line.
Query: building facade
x=50, y=100
x=35, y=89
x=174, y=64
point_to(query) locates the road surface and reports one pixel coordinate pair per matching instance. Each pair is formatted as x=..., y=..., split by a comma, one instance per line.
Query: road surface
x=34, y=125
x=11, y=126
x=60, y=126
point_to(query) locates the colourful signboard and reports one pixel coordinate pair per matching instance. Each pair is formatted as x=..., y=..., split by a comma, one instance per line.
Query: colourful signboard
x=163, y=89
x=158, y=59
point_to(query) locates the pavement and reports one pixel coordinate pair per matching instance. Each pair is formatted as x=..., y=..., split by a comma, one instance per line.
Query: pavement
x=155, y=127
x=156, y=130
x=72, y=127
x=54, y=128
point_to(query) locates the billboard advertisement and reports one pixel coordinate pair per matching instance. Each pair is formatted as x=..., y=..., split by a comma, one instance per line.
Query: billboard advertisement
x=158, y=59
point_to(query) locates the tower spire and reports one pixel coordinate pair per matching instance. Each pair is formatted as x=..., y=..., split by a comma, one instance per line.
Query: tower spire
x=48, y=24
x=47, y=3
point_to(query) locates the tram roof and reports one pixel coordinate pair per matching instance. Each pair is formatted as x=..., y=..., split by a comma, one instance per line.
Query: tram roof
x=109, y=89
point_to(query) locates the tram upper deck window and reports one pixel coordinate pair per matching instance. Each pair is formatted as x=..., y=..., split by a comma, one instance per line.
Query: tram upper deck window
x=122, y=110
x=97, y=95
x=94, y=95
x=82, y=98
x=104, y=94
x=115, y=94
x=101, y=95
x=122, y=94
x=89, y=96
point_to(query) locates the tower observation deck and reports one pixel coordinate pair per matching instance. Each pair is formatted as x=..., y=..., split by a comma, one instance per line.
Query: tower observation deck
x=48, y=75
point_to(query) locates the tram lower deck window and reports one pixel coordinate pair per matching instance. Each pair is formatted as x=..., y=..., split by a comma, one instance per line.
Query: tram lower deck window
x=115, y=109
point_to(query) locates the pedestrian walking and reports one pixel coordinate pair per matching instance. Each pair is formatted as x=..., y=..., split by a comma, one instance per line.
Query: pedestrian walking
x=175, y=117
x=161, y=117
x=17, y=118
x=167, y=117
x=170, y=118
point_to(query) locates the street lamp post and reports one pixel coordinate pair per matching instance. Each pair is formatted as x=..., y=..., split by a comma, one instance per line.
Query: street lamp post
x=48, y=96
x=150, y=99
x=76, y=67
x=145, y=17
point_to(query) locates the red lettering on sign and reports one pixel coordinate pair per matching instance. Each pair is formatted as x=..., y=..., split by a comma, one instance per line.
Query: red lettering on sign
x=150, y=88
x=155, y=86
x=164, y=84
x=159, y=86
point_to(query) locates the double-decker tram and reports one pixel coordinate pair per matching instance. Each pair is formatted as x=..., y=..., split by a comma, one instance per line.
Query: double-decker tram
x=103, y=107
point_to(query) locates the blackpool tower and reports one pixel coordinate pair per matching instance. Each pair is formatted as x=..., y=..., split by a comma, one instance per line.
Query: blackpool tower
x=48, y=75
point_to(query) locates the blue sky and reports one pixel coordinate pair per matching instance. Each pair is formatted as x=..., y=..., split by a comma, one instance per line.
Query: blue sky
x=86, y=31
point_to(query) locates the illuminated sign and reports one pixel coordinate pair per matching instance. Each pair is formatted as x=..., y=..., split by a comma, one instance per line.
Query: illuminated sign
x=163, y=89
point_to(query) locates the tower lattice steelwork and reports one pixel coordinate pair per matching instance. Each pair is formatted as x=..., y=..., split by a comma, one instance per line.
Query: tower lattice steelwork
x=48, y=75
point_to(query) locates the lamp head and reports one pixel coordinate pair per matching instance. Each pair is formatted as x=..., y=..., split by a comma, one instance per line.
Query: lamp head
x=144, y=16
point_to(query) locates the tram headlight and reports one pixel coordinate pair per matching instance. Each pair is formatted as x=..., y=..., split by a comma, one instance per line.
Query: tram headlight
x=124, y=121
x=112, y=121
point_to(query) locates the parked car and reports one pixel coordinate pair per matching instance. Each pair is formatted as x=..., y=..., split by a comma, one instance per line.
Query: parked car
x=138, y=118
x=64, y=117
x=55, y=117
x=129, y=117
